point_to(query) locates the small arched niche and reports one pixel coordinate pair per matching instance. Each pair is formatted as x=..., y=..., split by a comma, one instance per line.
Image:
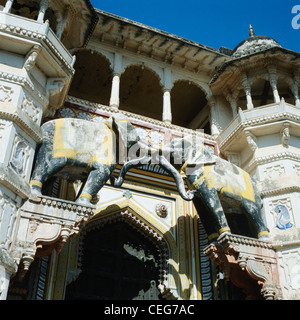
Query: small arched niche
x=93, y=77
x=141, y=92
x=187, y=101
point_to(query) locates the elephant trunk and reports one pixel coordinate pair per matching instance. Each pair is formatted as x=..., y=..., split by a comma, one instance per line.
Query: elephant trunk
x=189, y=195
x=126, y=167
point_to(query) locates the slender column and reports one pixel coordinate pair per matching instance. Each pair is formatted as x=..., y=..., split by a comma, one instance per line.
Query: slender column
x=295, y=89
x=115, y=91
x=273, y=82
x=247, y=89
x=43, y=8
x=231, y=98
x=61, y=21
x=167, y=114
x=214, y=120
x=8, y=6
x=115, y=88
x=167, y=111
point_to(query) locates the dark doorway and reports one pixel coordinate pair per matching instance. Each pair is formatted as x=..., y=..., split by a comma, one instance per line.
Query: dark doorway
x=118, y=263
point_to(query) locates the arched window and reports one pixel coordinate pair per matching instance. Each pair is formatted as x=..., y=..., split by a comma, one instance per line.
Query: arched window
x=93, y=77
x=141, y=92
x=187, y=101
x=261, y=93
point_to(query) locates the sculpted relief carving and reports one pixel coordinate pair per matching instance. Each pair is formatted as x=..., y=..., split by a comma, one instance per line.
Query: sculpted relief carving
x=6, y=93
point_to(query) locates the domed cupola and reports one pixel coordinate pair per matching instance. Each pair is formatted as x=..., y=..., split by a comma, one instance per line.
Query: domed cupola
x=253, y=45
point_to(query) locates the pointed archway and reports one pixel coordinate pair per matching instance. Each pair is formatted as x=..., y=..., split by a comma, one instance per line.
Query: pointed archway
x=118, y=263
x=118, y=259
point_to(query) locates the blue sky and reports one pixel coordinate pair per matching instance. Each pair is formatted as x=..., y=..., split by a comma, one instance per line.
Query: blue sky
x=213, y=23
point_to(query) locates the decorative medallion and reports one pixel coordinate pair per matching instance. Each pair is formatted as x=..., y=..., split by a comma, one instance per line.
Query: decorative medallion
x=67, y=113
x=84, y=116
x=127, y=194
x=156, y=137
x=161, y=210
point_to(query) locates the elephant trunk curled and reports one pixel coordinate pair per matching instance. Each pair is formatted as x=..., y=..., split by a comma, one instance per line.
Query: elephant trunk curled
x=189, y=195
x=126, y=167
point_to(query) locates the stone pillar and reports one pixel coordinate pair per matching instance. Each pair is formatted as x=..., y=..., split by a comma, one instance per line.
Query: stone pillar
x=115, y=89
x=7, y=268
x=8, y=6
x=295, y=89
x=43, y=8
x=273, y=81
x=167, y=111
x=231, y=98
x=167, y=114
x=247, y=89
x=61, y=22
x=214, y=121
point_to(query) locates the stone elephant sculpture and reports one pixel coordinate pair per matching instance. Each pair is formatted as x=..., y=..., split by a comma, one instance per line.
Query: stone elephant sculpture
x=78, y=149
x=213, y=184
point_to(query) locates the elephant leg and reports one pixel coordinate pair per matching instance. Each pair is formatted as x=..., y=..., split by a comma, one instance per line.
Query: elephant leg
x=208, y=220
x=95, y=181
x=253, y=212
x=44, y=169
x=212, y=203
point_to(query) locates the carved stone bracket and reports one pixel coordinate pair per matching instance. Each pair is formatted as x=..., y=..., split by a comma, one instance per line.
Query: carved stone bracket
x=46, y=224
x=249, y=264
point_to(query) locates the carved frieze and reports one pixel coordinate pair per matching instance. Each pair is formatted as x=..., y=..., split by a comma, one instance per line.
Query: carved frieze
x=6, y=93
x=273, y=172
x=29, y=108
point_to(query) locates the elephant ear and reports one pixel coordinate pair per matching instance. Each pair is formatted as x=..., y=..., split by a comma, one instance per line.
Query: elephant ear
x=126, y=133
x=192, y=150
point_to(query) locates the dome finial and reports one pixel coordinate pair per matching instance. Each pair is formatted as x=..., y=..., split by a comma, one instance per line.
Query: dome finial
x=251, y=34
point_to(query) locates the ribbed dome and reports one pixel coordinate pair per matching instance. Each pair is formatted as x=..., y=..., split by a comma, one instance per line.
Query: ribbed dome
x=253, y=45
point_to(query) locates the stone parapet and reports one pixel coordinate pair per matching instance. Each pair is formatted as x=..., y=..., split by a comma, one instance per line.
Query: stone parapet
x=45, y=224
x=249, y=264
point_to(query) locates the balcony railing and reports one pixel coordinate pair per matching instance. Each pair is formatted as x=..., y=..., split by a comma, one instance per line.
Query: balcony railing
x=260, y=115
x=29, y=29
